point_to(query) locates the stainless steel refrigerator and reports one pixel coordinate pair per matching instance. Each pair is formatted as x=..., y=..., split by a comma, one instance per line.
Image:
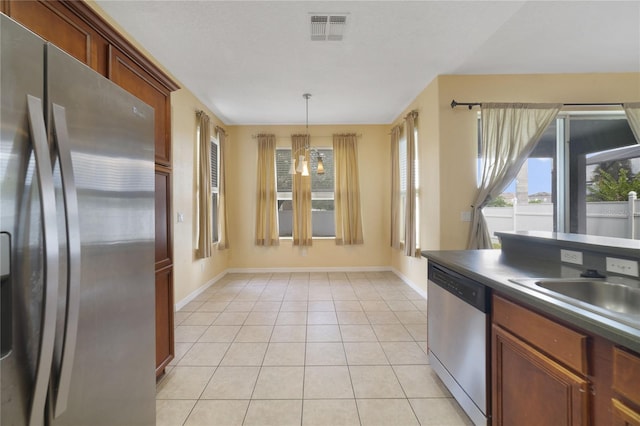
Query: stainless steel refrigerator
x=76, y=241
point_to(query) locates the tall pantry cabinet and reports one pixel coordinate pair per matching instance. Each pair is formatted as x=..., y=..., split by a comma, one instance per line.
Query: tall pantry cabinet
x=77, y=29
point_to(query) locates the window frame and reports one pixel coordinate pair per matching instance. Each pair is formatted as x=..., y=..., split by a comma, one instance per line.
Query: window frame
x=215, y=189
x=566, y=196
x=402, y=158
x=315, y=195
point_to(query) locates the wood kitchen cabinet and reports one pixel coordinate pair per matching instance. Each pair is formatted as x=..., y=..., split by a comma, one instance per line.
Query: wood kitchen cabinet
x=545, y=372
x=163, y=246
x=53, y=21
x=164, y=270
x=626, y=388
x=136, y=80
x=532, y=388
x=623, y=415
x=539, y=375
x=164, y=316
x=75, y=28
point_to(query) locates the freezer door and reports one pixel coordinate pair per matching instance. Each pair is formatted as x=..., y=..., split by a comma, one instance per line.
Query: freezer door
x=104, y=360
x=27, y=209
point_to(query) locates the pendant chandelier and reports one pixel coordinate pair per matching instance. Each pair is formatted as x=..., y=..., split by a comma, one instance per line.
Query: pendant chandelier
x=303, y=166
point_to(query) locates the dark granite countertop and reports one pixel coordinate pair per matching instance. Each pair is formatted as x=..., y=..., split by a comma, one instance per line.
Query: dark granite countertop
x=494, y=269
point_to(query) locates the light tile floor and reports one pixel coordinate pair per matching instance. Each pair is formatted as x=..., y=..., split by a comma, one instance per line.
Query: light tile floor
x=321, y=349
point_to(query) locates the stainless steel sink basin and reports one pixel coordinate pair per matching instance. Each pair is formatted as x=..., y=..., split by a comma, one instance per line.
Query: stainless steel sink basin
x=618, y=299
x=611, y=296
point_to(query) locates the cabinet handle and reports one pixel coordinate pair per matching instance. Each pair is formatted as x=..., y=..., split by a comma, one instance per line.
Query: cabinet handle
x=73, y=257
x=51, y=254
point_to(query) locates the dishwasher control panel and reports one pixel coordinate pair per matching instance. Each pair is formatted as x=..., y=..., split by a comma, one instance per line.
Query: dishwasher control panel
x=470, y=291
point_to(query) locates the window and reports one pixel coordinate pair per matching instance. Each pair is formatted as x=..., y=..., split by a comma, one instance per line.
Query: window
x=402, y=155
x=322, y=193
x=214, y=188
x=577, y=179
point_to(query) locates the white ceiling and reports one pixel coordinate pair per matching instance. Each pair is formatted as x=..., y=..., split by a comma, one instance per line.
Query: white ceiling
x=251, y=61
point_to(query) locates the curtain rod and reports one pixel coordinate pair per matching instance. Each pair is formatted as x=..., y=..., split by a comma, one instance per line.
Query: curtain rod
x=413, y=112
x=473, y=104
x=218, y=128
x=359, y=135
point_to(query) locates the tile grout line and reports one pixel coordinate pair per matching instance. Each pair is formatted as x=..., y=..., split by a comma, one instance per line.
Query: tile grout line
x=363, y=291
x=246, y=412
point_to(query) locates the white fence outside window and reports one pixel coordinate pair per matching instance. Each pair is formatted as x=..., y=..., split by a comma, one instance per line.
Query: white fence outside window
x=611, y=219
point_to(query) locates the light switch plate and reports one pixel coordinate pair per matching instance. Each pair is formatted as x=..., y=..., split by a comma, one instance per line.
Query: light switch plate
x=622, y=266
x=571, y=256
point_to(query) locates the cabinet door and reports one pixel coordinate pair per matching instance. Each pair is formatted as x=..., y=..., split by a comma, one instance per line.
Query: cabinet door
x=164, y=319
x=163, y=218
x=531, y=389
x=130, y=76
x=626, y=375
x=52, y=21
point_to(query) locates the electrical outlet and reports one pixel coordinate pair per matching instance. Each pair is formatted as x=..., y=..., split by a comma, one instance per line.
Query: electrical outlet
x=570, y=256
x=465, y=216
x=622, y=266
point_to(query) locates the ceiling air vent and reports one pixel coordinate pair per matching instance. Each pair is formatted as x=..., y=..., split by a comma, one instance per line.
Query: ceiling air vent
x=328, y=26
x=319, y=27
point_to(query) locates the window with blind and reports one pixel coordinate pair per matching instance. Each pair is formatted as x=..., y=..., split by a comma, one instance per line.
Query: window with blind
x=402, y=156
x=322, y=193
x=214, y=188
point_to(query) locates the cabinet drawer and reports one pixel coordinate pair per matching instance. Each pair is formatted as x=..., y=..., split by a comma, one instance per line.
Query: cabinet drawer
x=565, y=345
x=626, y=374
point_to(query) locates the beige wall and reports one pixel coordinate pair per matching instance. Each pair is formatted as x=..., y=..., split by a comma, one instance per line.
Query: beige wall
x=448, y=179
x=374, y=187
x=415, y=269
x=189, y=273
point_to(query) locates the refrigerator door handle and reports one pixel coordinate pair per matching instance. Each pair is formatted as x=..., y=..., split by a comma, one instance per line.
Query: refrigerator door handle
x=73, y=255
x=50, y=237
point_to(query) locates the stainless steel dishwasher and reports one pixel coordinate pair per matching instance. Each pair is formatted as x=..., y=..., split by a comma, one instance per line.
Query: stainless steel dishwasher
x=458, y=326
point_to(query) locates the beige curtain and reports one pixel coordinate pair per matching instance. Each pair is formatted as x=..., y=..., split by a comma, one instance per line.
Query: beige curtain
x=395, y=187
x=633, y=117
x=302, y=233
x=223, y=233
x=348, y=217
x=266, y=206
x=411, y=243
x=205, y=221
x=509, y=134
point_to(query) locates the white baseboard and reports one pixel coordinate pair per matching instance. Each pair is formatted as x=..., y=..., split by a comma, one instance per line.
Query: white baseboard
x=197, y=292
x=215, y=279
x=309, y=269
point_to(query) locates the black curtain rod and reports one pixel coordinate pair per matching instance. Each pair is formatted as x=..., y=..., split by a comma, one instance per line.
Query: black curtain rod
x=470, y=105
x=473, y=104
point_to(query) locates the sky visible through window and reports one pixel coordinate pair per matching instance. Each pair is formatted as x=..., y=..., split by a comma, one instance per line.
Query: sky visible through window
x=539, y=175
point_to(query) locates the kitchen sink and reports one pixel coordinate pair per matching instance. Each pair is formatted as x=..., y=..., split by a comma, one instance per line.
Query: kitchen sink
x=615, y=298
x=612, y=296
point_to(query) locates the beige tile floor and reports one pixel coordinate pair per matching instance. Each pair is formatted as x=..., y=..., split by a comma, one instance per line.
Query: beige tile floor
x=322, y=349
